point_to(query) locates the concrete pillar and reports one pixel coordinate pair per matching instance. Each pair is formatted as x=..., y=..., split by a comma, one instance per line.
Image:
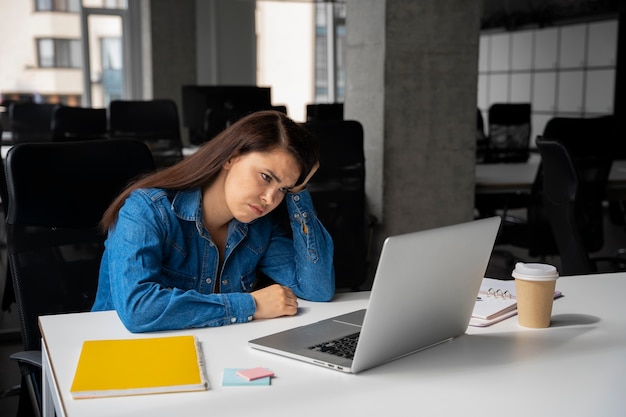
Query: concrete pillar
x=412, y=82
x=171, y=43
x=226, y=39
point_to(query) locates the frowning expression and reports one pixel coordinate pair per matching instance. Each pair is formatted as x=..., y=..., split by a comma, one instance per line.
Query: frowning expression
x=257, y=182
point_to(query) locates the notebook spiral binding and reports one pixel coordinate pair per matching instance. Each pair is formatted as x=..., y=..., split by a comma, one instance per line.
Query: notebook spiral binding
x=498, y=293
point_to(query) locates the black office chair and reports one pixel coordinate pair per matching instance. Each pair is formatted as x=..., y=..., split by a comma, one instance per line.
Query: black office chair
x=155, y=122
x=30, y=122
x=573, y=196
x=78, y=123
x=509, y=129
x=57, y=195
x=507, y=142
x=220, y=116
x=338, y=191
x=8, y=295
x=594, y=134
x=481, y=137
x=584, y=138
x=324, y=111
x=532, y=231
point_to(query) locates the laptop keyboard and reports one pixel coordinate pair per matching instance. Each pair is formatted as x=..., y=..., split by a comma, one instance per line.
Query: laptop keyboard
x=343, y=347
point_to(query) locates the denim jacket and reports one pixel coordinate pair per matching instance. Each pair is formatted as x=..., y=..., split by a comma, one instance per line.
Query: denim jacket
x=159, y=267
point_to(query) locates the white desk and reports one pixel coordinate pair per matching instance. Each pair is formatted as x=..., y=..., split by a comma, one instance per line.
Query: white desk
x=575, y=368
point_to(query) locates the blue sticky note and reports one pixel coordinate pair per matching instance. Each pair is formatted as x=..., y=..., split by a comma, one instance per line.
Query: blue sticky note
x=231, y=379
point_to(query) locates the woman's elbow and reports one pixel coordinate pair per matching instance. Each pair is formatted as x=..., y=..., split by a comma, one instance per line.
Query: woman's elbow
x=136, y=322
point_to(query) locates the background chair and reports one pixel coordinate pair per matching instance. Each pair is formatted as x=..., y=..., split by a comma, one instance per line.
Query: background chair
x=507, y=142
x=324, y=111
x=78, y=123
x=481, y=137
x=219, y=117
x=155, y=122
x=209, y=109
x=338, y=190
x=589, y=144
x=597, y=135
x=8, y=295
x=508, y=136
x=532, y=231
x=573, y=196
x=57, y=195
x=31, y=122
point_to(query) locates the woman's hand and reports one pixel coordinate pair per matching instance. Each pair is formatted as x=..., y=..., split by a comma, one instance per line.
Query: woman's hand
x=301, y=187
x=274, y=301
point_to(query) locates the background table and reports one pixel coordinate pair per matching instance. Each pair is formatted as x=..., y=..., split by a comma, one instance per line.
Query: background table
x=519, y=178
x=575, y=368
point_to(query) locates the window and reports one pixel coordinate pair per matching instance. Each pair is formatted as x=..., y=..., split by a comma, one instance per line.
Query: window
x=59, y=53
x=330, y=35
x=115, y=4
x=566, y=70
x=112, y=67
x=72, y=6
x=106, y=4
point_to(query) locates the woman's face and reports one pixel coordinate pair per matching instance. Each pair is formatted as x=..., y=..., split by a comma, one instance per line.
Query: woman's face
x=257, y=182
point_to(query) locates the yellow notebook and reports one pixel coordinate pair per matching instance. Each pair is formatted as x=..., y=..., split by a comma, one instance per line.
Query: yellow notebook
x=139, y=366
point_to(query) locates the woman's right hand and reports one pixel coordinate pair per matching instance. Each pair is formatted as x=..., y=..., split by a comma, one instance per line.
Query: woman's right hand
x=274, y=301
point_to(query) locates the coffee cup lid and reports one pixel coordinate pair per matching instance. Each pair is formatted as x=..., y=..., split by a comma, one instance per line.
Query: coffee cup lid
x=535, y=271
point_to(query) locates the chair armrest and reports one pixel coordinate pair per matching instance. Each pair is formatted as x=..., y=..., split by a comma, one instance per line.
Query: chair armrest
x=31, y=357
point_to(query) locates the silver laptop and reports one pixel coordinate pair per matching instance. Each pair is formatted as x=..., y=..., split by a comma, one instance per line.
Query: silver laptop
x=423, y=294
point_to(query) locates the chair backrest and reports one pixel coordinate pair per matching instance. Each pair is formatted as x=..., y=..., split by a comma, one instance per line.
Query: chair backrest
x=573, y=191
x=338, y=190
x=324, y=111
x=597, y=135
x=342, y=156
x=57, y=195
x=31, y=122
x=481, y=138
x=508, y=132
x=78, y=123
x=155, y=122
x=592, y=143
x=8, y=295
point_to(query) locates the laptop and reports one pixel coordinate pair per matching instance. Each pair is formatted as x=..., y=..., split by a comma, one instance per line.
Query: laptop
x=423, y=294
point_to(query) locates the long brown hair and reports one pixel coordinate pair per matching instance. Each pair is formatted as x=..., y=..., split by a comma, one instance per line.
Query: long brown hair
x=261, y=131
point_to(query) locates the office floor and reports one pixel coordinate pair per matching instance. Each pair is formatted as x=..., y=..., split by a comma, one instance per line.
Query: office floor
x=9, y=325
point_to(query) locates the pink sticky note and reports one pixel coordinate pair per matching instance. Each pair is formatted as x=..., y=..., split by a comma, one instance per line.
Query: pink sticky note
x=255, y=373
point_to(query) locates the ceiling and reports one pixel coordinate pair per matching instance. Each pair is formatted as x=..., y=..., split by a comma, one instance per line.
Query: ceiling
x=515, y=14
x=512, y=14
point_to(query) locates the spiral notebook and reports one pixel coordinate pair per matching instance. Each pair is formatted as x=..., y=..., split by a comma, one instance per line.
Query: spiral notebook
x=151, y=365
x=495, y=302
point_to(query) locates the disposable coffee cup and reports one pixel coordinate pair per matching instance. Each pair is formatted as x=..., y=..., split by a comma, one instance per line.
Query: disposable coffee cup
x=534, y=290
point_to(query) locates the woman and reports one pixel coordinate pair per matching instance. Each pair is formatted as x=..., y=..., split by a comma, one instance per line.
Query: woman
x=185, y=244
